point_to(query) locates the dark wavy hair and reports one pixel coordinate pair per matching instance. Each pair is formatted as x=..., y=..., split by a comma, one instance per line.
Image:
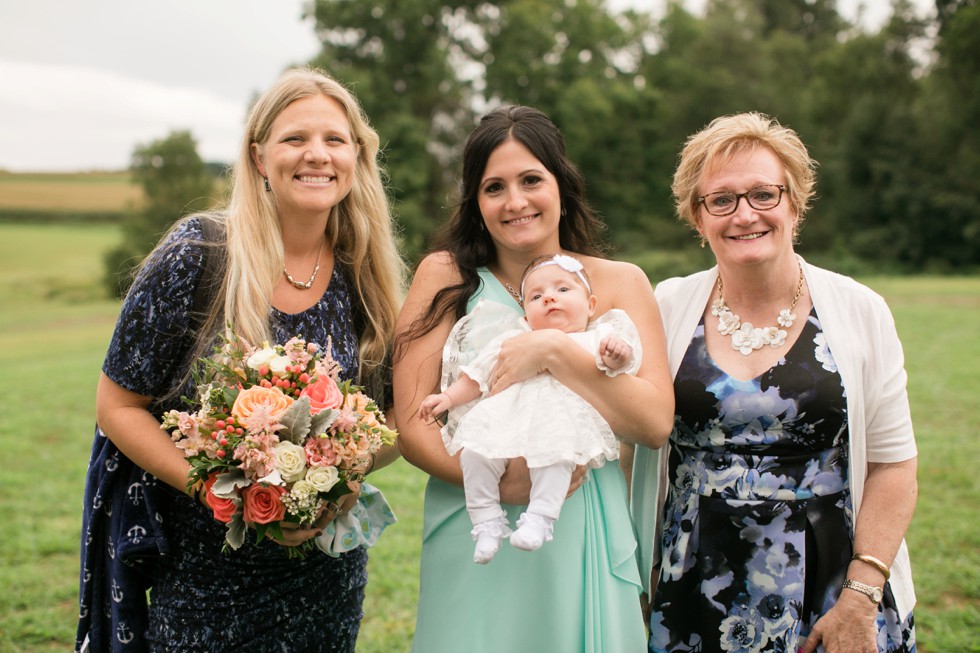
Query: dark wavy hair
x=465, y=236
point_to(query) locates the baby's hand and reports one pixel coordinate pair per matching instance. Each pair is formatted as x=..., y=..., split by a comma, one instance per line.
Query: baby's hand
x=434, y=405
x=615, y=352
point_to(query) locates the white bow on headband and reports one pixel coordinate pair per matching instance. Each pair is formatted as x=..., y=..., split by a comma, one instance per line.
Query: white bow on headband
x=566, y=263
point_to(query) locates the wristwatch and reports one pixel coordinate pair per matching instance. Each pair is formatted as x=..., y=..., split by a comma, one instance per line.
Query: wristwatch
x=873, y=593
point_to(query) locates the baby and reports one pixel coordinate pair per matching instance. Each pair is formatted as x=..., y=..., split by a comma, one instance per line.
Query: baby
x=539, y=419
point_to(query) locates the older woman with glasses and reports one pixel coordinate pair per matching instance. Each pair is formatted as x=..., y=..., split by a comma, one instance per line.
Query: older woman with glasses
x=778, y=510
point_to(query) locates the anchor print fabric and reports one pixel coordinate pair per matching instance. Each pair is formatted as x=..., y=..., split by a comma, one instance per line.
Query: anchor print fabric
x=121, y=534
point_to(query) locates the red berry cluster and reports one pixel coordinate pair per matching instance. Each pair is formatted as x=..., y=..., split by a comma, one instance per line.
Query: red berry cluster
x=222, y=431
x=291, y=383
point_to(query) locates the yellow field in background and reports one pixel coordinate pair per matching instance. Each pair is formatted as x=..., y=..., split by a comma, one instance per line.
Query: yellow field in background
x=89, y=191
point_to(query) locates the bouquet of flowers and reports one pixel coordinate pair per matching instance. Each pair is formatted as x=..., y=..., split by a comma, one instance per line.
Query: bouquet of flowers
x=276, y=435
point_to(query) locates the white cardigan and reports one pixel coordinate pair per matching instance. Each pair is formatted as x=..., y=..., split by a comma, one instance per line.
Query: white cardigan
x=861, y=333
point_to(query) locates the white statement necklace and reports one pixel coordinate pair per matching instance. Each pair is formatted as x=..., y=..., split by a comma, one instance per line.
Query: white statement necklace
x=309, y=284
x=747, y=338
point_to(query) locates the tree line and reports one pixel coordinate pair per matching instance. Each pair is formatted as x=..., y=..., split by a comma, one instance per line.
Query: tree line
x=890, y=114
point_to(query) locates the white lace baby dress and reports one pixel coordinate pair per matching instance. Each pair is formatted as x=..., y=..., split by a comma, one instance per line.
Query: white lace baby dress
x=538, y=419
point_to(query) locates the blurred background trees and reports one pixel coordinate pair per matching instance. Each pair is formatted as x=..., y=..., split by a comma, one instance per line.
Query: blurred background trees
x=175, y=181
x=890, y=114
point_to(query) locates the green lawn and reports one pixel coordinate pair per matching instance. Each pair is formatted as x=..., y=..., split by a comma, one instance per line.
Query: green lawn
x=54, y=327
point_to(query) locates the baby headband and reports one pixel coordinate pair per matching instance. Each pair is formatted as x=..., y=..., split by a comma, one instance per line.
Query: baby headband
x=566, y=263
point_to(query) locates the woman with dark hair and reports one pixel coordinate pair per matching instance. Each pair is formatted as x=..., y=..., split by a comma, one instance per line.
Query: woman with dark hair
x=521, y=197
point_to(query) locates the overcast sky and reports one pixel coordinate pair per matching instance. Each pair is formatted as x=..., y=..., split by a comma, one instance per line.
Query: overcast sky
x=83, y=82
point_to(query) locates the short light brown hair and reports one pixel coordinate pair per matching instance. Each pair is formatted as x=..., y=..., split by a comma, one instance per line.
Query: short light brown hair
x=727, y=136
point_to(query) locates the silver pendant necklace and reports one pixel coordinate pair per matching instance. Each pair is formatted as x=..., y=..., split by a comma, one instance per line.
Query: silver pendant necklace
x=309, y=284
x=513, y=292
x=747, y=338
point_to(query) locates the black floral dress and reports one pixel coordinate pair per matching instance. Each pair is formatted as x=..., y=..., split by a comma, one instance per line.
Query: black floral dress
x=758, y=521
x=255, y=598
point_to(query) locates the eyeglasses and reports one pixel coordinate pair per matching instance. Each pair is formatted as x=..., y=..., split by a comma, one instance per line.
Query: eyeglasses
x=760, y=198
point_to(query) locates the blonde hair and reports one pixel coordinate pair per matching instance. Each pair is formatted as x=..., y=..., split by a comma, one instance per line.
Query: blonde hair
x=727, y=136
x=359, y=230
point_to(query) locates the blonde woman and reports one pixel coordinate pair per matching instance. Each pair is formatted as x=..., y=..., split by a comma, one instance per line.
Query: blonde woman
x=305, y=247
x=789, y=480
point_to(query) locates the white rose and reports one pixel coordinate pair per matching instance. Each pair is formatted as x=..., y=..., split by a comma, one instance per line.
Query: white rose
x=261, y=357
x=279, y=364
x=290, y=461
x=322, y=478
x=302, y=490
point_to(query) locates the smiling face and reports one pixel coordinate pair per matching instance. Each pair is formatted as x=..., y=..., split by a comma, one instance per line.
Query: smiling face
x=308, y=157
x=556, y=299
x=747, y=236
x=519, y=200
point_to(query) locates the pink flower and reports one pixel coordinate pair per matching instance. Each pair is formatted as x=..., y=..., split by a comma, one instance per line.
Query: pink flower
x=327, y=367
x=323, y=394
x=298, y=351
x=263, y=503
x=262, y=421
x=320, y=451
x=348, y=452
x=223, y=509
x=257, y=455
x=346, y=422
x=187, y=424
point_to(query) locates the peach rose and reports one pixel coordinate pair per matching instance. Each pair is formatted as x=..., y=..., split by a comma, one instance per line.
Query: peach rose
x=272, y=399
x=323, y=394
x=223, y=509
x=263, y=503
x=359, y=403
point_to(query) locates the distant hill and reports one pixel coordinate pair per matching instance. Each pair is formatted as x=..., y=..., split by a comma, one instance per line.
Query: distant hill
x=34, y=193
x=99, y=196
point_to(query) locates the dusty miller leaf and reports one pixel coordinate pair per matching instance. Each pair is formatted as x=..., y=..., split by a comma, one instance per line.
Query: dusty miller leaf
x=236, y=531
x=322, y=420
x=226, y=484
x=296, y=421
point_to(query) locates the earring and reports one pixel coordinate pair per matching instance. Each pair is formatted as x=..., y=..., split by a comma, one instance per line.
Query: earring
x=704, y=241
x=265, y=180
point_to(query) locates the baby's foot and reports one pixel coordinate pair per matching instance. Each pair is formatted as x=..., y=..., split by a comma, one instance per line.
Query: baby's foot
x=533, y=530
x=488, y=536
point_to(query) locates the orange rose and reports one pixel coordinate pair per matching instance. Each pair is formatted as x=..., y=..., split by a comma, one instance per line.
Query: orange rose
x=223, y=509
x=323, y=394
x=250, y=399
x=263, y=503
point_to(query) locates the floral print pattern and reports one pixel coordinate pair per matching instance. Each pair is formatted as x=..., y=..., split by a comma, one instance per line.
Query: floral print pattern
x=758, y=521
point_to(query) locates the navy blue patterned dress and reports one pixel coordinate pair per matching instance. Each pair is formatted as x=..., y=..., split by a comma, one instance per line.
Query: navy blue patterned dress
x=255, y=598
x=758, y=522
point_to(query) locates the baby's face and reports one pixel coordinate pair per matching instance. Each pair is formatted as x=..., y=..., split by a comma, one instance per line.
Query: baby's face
x=556, y=299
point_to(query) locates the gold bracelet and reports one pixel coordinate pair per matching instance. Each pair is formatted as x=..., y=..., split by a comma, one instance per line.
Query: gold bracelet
x=874, y=562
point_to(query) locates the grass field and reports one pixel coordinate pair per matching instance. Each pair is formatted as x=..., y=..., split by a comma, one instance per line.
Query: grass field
x=54, y=328
x=77, y=192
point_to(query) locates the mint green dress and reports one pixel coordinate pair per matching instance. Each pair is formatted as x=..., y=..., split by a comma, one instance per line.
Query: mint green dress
x=577, y=593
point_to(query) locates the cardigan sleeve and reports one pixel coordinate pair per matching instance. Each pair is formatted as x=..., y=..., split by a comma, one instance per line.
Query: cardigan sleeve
x=890, y=436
